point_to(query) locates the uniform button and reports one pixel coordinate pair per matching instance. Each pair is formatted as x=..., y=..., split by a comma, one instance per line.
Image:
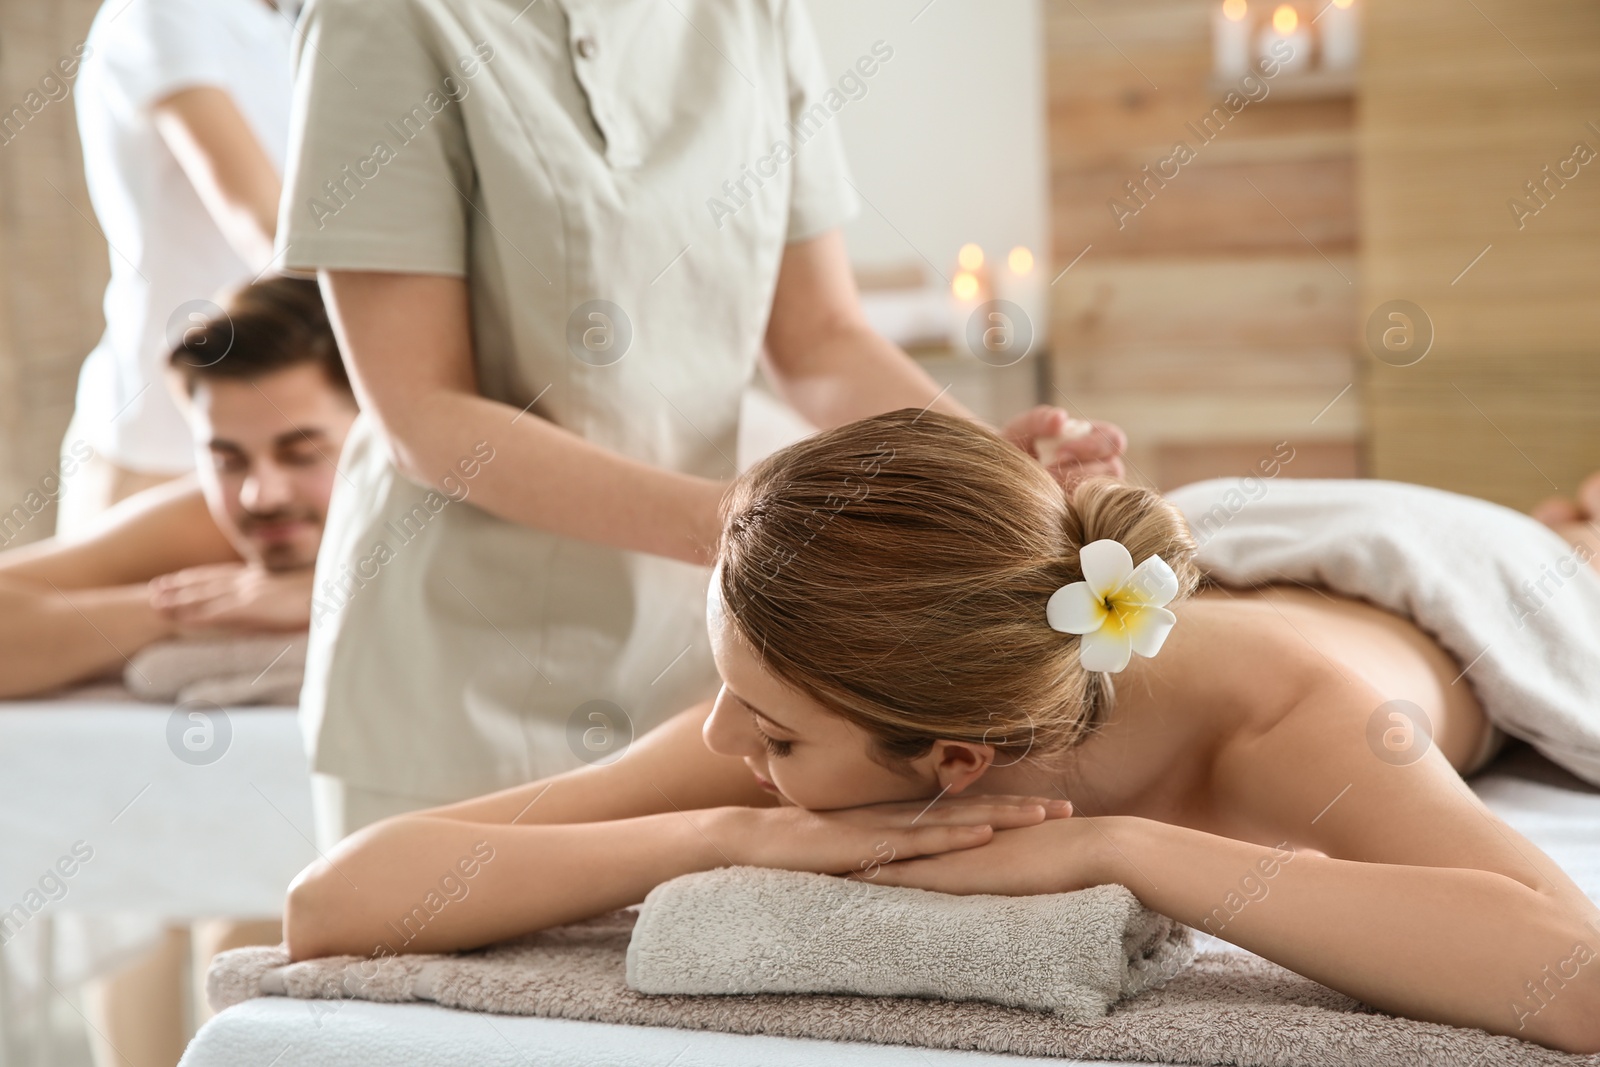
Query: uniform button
x=586, y=46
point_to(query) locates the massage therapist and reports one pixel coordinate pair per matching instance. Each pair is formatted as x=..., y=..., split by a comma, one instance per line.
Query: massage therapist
x=549, y=332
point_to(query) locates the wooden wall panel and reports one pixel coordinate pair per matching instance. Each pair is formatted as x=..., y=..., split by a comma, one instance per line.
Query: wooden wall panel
x=53, y=260
x=1166, y=323
x=1461, y=106
x=1223, y=317
x=1270, y=207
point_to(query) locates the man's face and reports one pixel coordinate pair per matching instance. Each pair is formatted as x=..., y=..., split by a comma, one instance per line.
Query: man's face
x=266, y=455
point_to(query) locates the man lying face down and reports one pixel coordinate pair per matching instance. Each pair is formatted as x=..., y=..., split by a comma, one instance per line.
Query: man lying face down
x=230, y=547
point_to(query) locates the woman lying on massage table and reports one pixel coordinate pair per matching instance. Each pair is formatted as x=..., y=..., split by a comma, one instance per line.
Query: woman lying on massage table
x=900, y=706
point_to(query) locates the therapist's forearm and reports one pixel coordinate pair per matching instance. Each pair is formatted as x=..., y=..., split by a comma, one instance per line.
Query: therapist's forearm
x=407, y=339
x=854, y=372
x=50, y=639
x=549, y=478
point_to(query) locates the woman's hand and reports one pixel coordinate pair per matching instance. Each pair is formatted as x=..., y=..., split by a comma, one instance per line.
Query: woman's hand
x=1055, y=856
x=863, y=839
x=1069, y=448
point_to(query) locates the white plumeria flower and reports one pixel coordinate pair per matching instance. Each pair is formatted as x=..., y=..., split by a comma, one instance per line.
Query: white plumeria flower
x=1118, y=608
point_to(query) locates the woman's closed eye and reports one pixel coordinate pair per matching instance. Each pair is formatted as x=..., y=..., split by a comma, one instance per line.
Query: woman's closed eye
x=774, y=746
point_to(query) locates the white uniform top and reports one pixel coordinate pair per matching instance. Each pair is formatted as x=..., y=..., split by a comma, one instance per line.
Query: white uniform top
x=166, y=252
x=556, y=154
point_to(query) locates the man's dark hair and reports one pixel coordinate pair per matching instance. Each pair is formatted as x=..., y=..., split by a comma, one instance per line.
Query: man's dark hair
x=265, y=327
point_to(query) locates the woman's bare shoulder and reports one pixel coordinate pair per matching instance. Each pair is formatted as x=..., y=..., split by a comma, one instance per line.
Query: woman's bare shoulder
x=667, y=769
x=1239, y=663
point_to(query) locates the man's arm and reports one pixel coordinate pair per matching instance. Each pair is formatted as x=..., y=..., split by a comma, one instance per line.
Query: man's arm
x=157, y=531
x=50, y=639
x=70, y=611
x=229, y=169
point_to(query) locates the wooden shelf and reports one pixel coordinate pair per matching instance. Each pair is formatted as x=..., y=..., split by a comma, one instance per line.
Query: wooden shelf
x=1313, y=85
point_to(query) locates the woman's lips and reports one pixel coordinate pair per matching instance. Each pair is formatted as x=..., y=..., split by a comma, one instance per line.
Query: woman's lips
x=764, y=784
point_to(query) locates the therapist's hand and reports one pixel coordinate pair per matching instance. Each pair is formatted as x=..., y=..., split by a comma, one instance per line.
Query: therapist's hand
x=234, y=596
x=1071, y=449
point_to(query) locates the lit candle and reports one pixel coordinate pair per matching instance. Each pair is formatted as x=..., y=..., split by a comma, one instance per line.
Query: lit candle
x=1019, y=282
x=1286, y=25
x=1230, y=39
x=968, y=288
x=1339, y=27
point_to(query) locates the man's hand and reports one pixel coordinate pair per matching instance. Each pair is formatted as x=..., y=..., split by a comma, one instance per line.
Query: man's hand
x=1069, y=448
x=234, y=596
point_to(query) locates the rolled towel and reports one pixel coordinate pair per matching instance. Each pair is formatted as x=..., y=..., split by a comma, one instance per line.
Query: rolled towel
x=759, y=930
x=227, y=670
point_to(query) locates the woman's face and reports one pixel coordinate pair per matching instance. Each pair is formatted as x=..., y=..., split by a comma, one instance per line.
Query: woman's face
x=806, y=754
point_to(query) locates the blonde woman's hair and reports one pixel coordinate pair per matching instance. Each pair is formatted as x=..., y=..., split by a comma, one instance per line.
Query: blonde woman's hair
x=895, y=570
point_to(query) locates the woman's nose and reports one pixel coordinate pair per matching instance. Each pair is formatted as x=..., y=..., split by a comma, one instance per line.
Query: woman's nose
x=723, y=732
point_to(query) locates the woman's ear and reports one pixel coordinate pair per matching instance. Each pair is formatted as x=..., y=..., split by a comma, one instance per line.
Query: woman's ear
x=957, y=764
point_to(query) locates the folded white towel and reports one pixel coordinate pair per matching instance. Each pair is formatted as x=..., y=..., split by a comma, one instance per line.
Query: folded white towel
x=227, y=670
x=759, y=930
x=1517, y=606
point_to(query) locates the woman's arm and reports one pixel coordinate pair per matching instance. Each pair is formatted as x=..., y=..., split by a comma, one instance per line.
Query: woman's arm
x=592, y=840
x=1425, y=903
x=407, y=339
x=1392, y=884
x=1455, y=945
x=218, y=151
x=410, y=883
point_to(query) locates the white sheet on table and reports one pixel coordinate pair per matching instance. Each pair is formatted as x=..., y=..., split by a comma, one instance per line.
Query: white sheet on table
x=1553, y=809
x=313, y=1033
x=171, y=841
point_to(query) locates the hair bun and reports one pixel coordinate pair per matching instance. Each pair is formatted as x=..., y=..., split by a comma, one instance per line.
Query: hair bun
x=1142, y=519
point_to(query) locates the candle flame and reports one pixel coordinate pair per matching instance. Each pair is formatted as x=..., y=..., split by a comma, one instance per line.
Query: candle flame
x=1237, y=9
x=964, y=286
x=1020, y=260
x=970, y=257
x=1285, y=19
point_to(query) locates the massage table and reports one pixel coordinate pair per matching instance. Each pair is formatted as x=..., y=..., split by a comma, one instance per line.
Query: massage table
x=1556, y=811
x=173, y=837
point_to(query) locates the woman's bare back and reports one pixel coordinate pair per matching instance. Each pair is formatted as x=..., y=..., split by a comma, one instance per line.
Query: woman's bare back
x=1237, y=664
x=1389, y=652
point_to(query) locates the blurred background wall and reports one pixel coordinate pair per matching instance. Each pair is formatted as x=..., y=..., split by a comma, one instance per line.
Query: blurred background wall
x=1229, y=313
x=1221, y=317
x=1477, y=207
x=53, y=265
x=948, y=145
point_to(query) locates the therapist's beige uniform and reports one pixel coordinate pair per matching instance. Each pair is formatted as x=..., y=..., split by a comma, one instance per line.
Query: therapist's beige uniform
x=557, y=153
